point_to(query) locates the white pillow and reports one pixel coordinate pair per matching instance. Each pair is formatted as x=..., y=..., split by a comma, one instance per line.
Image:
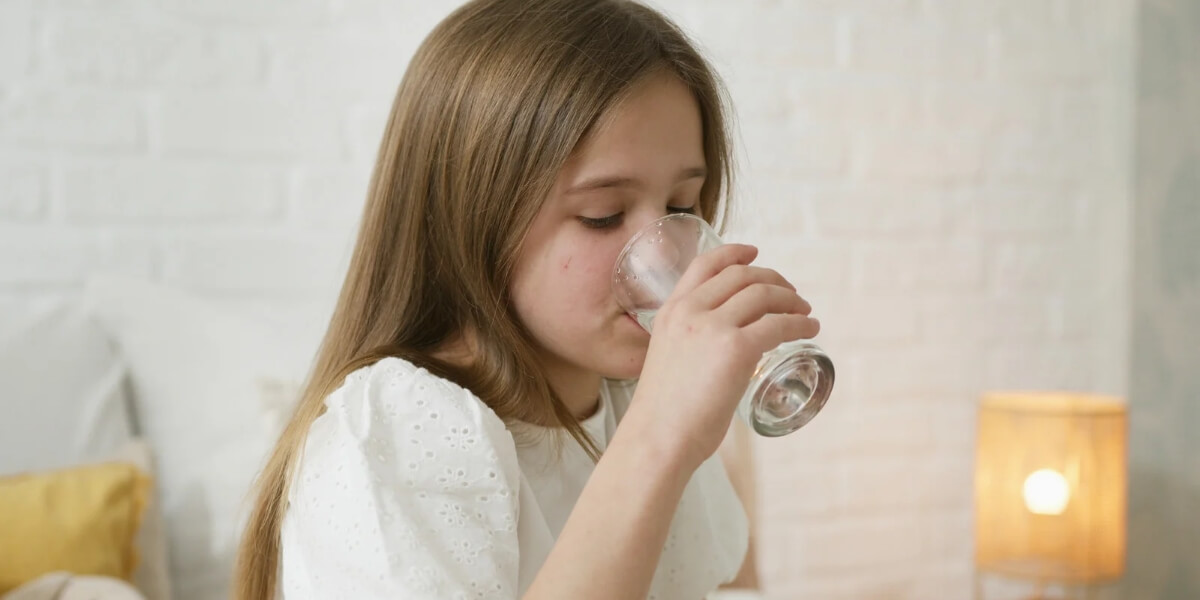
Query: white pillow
x=62, y=389
x=152, y=574
x=65, y=404
x=197, y=373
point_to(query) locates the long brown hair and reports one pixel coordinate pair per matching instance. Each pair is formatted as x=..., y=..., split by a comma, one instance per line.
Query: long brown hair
x=492, y=104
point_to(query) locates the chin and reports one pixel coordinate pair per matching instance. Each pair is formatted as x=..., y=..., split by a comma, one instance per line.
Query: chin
x=625, y=365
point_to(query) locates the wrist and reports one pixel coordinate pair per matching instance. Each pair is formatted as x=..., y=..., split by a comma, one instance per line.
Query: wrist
x=654, y=446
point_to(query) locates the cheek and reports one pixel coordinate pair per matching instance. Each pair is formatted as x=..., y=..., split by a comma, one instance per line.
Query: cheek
x=591, y=258
x=560, y=285
x=570, y=273
x=588, y=274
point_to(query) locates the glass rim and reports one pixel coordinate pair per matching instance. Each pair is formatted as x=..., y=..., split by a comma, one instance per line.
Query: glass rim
x=637, y=237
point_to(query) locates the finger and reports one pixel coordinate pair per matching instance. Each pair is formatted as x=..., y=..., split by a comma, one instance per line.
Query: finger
x=733, y=279
x=709, y=264
x=753, y=301
x=775, y=329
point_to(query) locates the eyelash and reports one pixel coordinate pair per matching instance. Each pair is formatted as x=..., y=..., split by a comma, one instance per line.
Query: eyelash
x=607, y=222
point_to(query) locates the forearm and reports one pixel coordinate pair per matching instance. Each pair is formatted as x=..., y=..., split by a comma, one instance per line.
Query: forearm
x=612, y=541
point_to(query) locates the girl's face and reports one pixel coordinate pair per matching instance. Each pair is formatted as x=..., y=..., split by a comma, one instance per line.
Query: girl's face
x=645, y=160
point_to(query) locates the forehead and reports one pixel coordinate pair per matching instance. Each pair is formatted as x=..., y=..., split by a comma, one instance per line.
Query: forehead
x=653, y=133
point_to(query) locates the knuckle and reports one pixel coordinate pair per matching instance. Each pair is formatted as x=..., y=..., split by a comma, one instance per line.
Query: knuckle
x=730, y=337
x=743, y=275
x=777, y=278
x=666, y=313
x=707, y=263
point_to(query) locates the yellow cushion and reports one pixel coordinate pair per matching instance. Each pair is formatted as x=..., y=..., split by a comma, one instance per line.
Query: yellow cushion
x=82, y=519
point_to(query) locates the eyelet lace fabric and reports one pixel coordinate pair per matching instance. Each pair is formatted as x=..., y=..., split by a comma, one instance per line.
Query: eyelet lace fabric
x=410, y=487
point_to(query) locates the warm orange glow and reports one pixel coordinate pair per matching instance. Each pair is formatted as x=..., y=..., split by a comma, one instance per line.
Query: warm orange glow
x=1046, y=492
x=1050, y=486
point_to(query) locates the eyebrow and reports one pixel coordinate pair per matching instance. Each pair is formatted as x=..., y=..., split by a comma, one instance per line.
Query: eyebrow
x=616, y=181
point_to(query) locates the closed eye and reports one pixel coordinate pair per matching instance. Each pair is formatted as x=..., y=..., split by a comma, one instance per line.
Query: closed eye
x=614, y=220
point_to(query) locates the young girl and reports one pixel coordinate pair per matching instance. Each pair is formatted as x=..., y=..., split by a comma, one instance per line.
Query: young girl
x=482, y=420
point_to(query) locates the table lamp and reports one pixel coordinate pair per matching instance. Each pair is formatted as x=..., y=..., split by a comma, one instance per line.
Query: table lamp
x=1050, y=492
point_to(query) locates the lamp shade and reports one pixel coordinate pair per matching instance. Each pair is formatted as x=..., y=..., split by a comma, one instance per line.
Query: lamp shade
x=1050, y=486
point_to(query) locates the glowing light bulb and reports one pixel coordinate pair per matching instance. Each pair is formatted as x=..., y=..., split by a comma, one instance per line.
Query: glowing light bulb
x=1046, y=492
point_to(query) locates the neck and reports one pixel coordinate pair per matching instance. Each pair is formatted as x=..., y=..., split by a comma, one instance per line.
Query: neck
x=578, y=388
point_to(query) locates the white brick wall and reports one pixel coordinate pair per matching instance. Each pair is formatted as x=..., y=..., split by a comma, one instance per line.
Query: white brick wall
x=946, y=180
x=950, y=190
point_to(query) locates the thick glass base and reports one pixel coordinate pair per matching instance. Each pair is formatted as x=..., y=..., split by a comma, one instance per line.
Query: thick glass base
x=790, y=387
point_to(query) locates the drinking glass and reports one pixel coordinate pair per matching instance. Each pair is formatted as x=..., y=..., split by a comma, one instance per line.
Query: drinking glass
x=792, y=381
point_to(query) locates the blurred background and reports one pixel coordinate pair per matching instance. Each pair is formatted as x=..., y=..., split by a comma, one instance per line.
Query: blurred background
x=974, y=194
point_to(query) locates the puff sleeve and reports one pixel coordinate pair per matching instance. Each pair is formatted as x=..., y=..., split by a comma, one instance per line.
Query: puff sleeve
x=406, y=488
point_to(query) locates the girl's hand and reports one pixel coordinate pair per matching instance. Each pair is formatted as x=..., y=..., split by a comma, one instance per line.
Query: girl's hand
x=707, y=339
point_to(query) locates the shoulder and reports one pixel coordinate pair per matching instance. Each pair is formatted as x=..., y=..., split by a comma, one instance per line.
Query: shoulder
x=395, y=392
x=395, y=408
x=410, y=478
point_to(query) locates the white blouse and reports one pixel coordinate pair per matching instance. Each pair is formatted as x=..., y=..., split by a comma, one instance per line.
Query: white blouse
x=409, y=486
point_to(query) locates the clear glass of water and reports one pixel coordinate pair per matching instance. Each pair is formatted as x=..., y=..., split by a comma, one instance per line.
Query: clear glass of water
x=792, y=381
